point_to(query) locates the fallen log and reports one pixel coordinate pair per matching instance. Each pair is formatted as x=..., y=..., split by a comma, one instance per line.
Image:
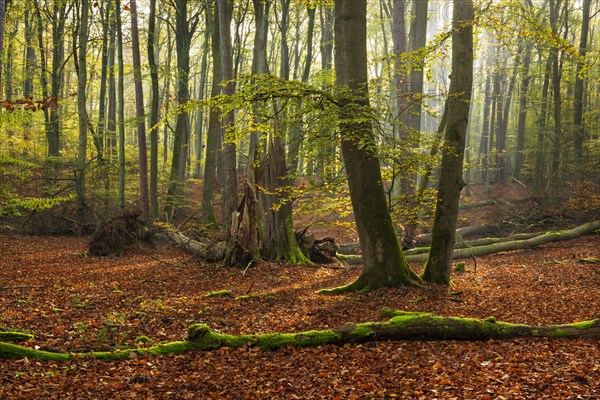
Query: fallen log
x=502, y=246
x=478, y=242
x=401, y=326
x=425, y=240
x=485, y=229
x=210, y=250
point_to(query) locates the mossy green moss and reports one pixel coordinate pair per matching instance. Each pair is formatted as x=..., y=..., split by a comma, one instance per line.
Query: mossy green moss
x=402, y=325
x=15, y=336
x=219, y=293
x=585, y=324
x=11, y=351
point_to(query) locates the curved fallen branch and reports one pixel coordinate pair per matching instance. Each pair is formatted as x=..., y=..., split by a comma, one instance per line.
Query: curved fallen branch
x=401, y=326
x=500, y=246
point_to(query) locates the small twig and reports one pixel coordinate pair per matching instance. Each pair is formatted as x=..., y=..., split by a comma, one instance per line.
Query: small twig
x=161, y=261
x=246, y=269
x=250, y=288
x=475, y=263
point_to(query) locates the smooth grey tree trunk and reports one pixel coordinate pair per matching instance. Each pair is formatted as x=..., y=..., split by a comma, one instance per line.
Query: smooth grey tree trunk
x=214, y=127
x=523, y=96
x=578, y=128
x=229, y=199
x=121, y=107
x=81, y=107
x=154, y=104
x=144, y=201
x=556, y=76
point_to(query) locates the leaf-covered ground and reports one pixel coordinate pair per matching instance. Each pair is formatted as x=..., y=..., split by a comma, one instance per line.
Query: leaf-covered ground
x=71, y=302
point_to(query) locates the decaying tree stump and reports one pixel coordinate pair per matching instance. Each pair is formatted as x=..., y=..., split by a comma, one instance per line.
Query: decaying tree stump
x=114, y=235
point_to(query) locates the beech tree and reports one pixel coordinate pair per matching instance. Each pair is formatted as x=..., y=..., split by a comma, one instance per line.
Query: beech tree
x=439, y=263
x=384, y=261
x=139, y=107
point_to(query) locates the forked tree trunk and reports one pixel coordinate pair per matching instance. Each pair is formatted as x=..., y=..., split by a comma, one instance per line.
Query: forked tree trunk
x=439, y=264
x=385, y=264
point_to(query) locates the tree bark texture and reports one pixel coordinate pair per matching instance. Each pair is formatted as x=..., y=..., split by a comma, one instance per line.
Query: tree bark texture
x=578, y=127
x=385, y=264
x=81, y=106
x=140, y=114
x=439, y=264
x=225, y=9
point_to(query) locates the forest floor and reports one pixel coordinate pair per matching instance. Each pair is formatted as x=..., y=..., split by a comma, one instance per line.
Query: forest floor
x=75, y=303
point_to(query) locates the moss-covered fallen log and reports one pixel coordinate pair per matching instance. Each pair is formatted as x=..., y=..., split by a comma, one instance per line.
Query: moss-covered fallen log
x=467, y=231
x=519, y=244
x=401, y=326
x=8, y=336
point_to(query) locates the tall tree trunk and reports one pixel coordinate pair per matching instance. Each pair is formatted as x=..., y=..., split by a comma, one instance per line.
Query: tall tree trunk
x=556, y=73
x=439, y=263
x=384, y=262
x=81, y=106
x=279, y=242
x=540, y=161
x=111, y=114
x=184, y=30
x=484, y=148
x=2, y=15
x=503, y=125
x=140, y=115
x=155, y=98
x=59, y=14
x=167, y=94
x=43, y=66
x=417, y=41
x=99, y=135
x=525, y=80
x=30, y=61
x=121, y=108
x=214, y=127
x=225, y=9
x=578, y=127
x=198, y=127
x=295, y=142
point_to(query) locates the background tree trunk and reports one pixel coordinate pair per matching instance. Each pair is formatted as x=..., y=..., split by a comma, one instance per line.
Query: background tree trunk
x=154, y=104
x=579, y=133
x=214, y=127
x=81, y=107
x=140, y=114
x=229, y=198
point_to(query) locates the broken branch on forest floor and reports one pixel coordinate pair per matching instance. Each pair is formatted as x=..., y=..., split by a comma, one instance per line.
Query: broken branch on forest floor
x=470, y=252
